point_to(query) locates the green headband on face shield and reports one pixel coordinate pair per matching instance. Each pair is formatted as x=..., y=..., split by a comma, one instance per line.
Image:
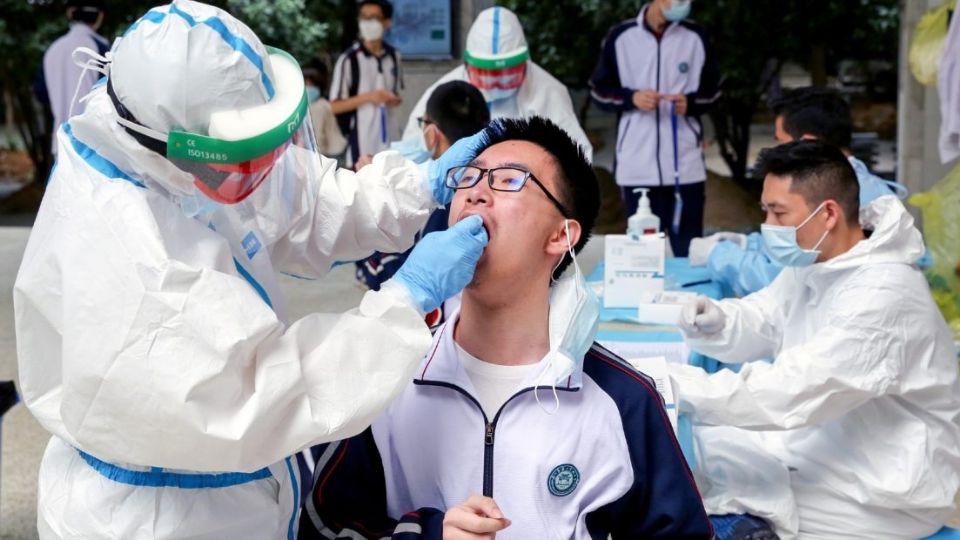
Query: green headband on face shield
x=496, y=61
x=243, y=144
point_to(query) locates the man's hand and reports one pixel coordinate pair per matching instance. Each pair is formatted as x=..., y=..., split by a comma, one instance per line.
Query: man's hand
x=363, y=161
x=645, y=100
x=442, y=263
x=478, y=518
x=701, y=317
x=700, y=248
x=679, y=100
x=383, y=97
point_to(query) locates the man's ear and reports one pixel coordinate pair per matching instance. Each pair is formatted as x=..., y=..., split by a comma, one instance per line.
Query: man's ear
x=834, y=213
x=443, y=143
x=557, y=243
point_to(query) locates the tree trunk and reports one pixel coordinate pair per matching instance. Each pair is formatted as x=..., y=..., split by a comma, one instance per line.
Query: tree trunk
x=818, y=65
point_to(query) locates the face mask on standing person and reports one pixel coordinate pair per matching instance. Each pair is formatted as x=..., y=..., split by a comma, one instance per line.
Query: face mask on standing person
x=678, y=10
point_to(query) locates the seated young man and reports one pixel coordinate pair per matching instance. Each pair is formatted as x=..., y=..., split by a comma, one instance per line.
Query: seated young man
x=857, y=415
x=455, y=110
x=741, y=262
x=496, y=434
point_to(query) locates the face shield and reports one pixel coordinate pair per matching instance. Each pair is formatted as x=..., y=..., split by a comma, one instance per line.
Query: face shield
x=497, y=74
x=243, y=146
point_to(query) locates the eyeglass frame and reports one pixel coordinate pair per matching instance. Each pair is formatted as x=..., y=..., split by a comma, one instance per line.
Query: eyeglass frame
x=423, y=121
x=527, y=175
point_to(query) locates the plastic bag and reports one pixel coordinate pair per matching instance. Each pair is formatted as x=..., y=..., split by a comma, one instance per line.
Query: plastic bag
x=941, y=230
x=926, y=47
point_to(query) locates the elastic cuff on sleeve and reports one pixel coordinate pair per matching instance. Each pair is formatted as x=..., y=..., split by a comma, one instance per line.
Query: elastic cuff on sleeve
x=400, y=292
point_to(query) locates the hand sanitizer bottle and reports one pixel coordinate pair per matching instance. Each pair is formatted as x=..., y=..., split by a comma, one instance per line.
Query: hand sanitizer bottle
x=644, y=221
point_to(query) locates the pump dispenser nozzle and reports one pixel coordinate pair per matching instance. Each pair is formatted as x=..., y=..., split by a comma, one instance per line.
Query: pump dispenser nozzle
x=644, y=221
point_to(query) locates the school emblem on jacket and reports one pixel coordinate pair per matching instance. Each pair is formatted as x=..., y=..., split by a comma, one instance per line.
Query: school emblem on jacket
x=684, y=67
x=563, y=480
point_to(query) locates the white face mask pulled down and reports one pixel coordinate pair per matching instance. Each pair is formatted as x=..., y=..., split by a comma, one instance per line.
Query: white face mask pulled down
x=574, y=317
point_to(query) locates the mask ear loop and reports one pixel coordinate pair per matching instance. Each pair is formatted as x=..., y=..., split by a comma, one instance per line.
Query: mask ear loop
x=825, y=233
x=546, y=369
x=573, y=256
x=95, y=62
x=553, y=387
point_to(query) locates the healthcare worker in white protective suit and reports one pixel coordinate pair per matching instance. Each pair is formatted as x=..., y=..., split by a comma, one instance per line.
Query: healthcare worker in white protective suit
x=497, y=62
x=151, y=332
x=861, y=404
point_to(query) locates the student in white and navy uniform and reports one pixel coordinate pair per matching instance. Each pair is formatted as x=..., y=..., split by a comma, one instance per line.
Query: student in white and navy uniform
x=648, y=66
x=586, y=453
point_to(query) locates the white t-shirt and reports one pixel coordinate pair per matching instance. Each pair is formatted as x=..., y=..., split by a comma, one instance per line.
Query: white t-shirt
x=493, y=384
x=370, y=129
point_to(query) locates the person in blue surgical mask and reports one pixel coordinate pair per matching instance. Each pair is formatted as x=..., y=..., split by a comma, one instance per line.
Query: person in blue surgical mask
x=497, y=61
x=516, y=421
x=330, y=141
x=153, y=334
x=860, y=404
x=659, y=73
x=741, y=262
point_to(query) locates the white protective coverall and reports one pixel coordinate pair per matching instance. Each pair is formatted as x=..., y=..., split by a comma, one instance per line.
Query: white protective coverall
x=860, y=406
x=498, y=29
x=151, y=332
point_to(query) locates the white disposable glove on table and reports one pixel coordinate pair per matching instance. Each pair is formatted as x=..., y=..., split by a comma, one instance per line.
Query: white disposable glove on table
x=700, y=248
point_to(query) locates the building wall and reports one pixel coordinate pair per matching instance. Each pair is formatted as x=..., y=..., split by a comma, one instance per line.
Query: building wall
x=418, y=75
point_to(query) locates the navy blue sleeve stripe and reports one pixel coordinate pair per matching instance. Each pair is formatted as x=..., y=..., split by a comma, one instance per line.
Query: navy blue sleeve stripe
x=652, y=390
x=663, y=502
x=606, y=88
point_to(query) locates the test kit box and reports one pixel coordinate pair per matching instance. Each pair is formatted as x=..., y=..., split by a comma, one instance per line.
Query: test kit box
x=633, y=269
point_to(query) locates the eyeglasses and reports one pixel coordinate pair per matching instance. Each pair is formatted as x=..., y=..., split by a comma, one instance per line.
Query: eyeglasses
x=422, y=121
x=499, y=179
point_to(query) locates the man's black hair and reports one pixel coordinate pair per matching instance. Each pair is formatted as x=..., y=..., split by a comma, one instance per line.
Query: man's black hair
x=385, y=6
x=821, y=112
x=818, y=171
x=458, y=109
x=85, y=11
x=579, y=189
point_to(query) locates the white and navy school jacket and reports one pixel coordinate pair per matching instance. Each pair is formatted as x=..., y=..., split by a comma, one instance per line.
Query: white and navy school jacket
x=681, y=61
x=606, y=463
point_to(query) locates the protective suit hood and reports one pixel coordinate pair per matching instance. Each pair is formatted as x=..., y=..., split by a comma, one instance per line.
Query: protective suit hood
x=895, y=239
x=174, y=67
x=496, y=33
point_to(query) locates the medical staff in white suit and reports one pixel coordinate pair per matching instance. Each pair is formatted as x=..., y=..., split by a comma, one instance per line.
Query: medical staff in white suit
x=152, y=336
x=497, y=62
x=861, y=404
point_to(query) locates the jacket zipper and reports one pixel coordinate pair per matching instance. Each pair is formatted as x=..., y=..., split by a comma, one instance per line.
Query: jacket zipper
x=490, y=428
x=488, y=458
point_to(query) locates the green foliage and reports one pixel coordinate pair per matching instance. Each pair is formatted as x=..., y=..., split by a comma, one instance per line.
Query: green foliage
x=284, y=24
x=565, y=35
x=752, y=39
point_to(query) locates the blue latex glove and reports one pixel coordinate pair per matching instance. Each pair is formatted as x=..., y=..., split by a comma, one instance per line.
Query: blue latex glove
x=461, y=153
x=442, y=263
